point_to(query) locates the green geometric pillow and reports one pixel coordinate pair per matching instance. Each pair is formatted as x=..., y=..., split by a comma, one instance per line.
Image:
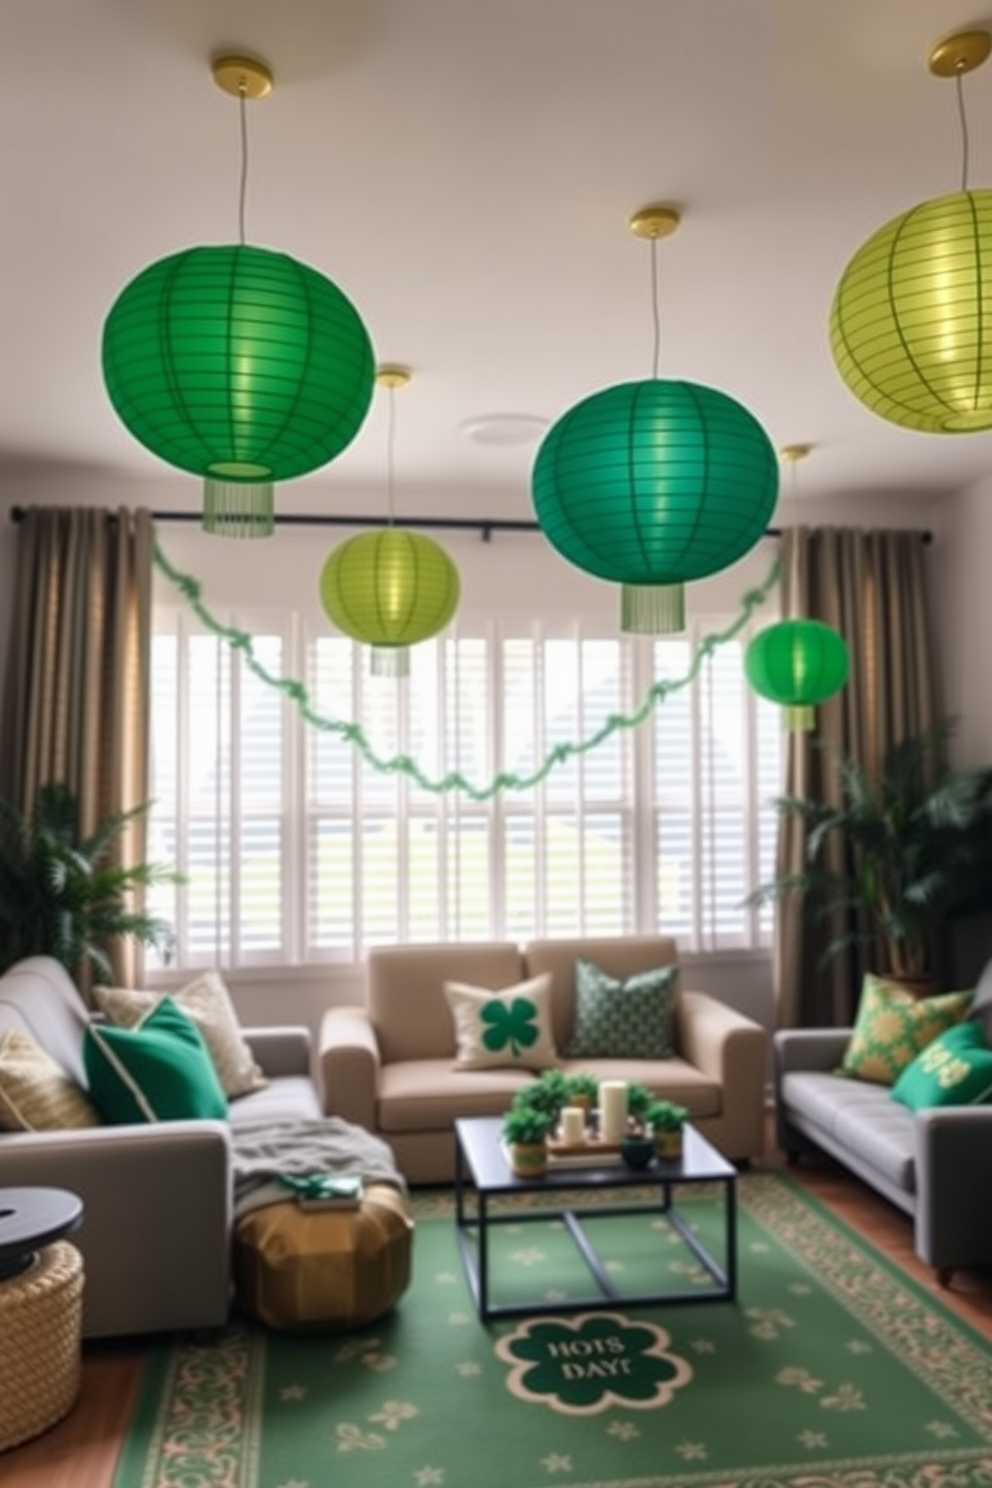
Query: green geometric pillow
x=506, y=1029
x=955, y=1070
x=622, y=1019
x=159, y=1071
x=893, y=1026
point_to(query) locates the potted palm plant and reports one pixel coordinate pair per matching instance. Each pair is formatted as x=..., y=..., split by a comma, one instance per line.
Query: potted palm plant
x=915, y=840
x=62, y=895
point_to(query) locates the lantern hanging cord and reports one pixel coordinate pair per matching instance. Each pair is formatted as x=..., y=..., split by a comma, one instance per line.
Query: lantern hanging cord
x=243, y=188
x=964, y=132
x=401, y=764
x=390, y=462
x=655, y=311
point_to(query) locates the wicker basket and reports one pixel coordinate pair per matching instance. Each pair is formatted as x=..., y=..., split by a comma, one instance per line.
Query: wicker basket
x=40, y=1328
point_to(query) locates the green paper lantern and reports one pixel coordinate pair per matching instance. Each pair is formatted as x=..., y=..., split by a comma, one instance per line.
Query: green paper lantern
x=911, y=322
x=238, y=364
x=797, y=663
x=389, y=590
x=651, y=484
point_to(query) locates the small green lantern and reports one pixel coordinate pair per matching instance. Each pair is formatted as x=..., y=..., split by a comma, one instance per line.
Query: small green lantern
x=389, y=590
x=238, y=364
x=651, y=484
x=797, y=663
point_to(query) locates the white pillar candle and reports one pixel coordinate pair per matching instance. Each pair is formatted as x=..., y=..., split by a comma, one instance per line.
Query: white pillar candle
x=573, y=1125
x=612, y=1110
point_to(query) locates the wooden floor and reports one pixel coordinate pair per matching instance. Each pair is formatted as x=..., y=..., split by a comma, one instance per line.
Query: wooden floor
x=81, y=1451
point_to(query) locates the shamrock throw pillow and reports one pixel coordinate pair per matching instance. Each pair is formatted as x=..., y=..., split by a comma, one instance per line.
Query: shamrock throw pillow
x=618, y=1018
x=892, y=1026
x=509, y=1028
x=954, y=1070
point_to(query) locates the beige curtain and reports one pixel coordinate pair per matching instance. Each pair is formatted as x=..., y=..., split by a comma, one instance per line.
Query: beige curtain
x=76, y=698
x=872, y=587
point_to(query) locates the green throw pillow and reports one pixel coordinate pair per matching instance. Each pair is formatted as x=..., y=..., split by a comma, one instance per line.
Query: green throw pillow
x=158, y=1071
x=497, y=1030
x=893, y=1026
x=954, y=1070
x=622, y=1019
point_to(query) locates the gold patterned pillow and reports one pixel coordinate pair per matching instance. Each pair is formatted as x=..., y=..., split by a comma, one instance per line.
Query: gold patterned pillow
x=35, y=1094
x=893, y=1026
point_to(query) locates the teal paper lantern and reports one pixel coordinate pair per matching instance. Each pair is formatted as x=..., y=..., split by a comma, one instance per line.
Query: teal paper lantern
x=389, y=590
x=797, y=663
x=911, y=320
x=238, y=364
x=651, y=484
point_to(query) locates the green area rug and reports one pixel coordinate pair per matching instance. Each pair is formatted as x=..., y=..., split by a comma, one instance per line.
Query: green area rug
x=832, y=1369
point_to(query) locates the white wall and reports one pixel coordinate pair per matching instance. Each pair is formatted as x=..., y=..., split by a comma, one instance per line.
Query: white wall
x=963, y=580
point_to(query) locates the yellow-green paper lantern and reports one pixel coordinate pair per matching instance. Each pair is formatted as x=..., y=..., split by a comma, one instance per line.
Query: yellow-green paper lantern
x=389, y=589
x=911, y=321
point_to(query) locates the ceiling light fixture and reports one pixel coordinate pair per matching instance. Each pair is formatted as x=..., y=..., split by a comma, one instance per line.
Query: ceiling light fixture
x=238, y=364
x=503, y=430
x=390, y=588
x=651, y=484
x=911, y=321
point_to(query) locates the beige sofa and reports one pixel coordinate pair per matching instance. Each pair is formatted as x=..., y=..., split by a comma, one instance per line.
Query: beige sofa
x=389, y=1064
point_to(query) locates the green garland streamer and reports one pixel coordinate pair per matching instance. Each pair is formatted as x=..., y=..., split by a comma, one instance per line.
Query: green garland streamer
x=402, y=764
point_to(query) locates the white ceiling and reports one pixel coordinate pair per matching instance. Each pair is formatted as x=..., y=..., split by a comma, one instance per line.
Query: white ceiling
x=464, y=170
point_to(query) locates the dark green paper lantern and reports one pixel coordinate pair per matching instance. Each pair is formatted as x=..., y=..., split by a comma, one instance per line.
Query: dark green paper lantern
x=652, y=484
x=797, y=663
x=389, y=590
x=238, y=364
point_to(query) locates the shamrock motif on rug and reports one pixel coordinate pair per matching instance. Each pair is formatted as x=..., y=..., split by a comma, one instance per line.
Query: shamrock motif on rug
x=584, y=1364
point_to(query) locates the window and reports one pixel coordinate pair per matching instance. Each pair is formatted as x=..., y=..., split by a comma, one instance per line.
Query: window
x=296, y=847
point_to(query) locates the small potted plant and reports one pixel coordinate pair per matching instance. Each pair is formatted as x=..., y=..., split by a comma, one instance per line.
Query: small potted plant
x=581, y=1089
x=666, y=1119
x=547, y=1094
x=525, y=1131
x=639, y=1102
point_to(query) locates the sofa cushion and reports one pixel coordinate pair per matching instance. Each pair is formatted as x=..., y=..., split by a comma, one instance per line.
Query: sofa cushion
x=159, y=1071
x=35, y=1094
x=404, y=992
x=954, y=1070
x=207, y=1001
x=510, y=1027
x=892, y=1026
x=857, y=1116
x=421, y=1095
x=284, y=1098
x=622, y=1018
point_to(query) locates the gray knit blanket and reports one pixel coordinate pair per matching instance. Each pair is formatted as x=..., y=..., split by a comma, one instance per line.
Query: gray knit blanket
x=263, y=1151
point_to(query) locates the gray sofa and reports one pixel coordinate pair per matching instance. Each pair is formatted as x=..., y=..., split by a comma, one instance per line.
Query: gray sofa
x=936, y=1165
x=388, y=1064
x=156, y=1234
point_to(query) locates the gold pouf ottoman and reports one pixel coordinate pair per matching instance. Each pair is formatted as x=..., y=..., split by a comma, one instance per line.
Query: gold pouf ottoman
x=41, y=1311
x=324, y=1270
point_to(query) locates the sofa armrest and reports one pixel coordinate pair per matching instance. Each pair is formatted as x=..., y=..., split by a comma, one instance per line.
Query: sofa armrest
x=731, y=1049
x=953, y=1182
x=155, y=1236
x=819, y=1049
x=349, y=1065
x=282, y=1050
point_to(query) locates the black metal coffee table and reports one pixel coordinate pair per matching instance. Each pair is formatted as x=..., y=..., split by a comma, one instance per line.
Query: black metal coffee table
x=481, y=1169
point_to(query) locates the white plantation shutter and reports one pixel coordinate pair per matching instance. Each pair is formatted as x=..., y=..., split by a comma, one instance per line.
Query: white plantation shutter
x=296, y=848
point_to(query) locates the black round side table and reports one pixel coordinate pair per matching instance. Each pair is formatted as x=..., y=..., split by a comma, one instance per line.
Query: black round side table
x=31, y=1218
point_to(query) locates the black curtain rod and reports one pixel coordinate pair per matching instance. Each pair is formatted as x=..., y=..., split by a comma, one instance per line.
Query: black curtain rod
x=484, y=525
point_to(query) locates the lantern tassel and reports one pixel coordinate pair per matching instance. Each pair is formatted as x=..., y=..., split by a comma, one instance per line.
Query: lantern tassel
x=652, y=609
x=238, y=508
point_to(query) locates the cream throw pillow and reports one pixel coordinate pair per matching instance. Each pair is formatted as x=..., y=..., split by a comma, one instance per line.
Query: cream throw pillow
x=509, y=1028
x=35, y=1094
x=207, y=1002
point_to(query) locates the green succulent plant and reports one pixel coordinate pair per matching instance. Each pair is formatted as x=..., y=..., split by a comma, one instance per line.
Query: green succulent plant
x=665, y=1115
x=526, y=1125
x=62, y=895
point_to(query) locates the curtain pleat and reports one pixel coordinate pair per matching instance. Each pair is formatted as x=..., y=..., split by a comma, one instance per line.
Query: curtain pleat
x=872, y=588
x=77, y=690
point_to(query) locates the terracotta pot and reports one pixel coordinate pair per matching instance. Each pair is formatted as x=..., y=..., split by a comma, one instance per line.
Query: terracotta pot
x=528, y=1159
